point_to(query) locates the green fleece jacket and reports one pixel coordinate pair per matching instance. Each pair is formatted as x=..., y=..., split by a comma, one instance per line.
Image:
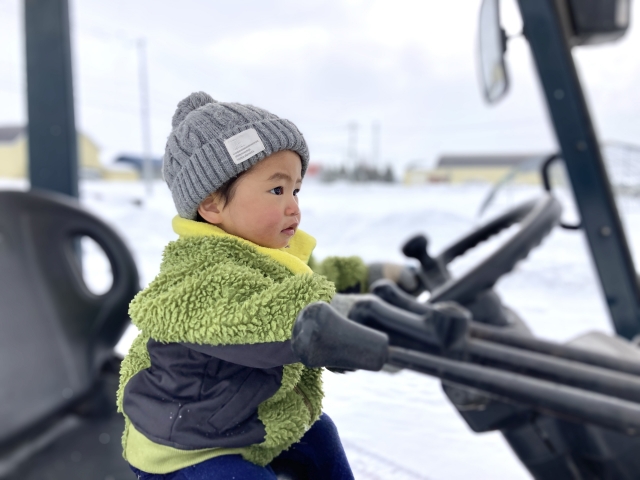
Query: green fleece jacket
x=217, y=289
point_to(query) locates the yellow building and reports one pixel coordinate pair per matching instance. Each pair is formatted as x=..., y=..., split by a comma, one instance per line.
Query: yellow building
x=14, y=158
x=478, y=168
x=13, y=152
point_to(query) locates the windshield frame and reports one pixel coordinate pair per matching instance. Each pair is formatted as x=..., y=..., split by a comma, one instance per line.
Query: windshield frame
x=549, y=41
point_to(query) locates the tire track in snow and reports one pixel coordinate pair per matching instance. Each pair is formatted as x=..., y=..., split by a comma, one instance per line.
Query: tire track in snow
x=367, y=465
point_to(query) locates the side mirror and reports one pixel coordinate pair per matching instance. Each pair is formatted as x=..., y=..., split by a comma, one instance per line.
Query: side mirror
x=492, y=44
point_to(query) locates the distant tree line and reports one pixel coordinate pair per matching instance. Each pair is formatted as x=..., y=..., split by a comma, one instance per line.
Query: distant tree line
x=359, y=174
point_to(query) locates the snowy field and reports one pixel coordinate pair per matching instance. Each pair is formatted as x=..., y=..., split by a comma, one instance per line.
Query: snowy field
x=396, y=426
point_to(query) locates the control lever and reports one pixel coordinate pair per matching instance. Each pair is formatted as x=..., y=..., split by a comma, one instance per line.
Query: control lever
x=441, y=327
x=322, y=337
x=432, y=274
x=392, y=294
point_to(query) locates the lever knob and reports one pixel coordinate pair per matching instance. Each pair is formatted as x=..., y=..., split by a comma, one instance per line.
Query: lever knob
x=322, y=337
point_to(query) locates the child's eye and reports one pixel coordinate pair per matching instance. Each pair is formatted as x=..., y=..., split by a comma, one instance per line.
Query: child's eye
x=295, y=192
x=277, y=191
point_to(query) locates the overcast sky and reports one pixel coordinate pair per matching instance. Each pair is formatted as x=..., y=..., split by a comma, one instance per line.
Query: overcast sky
x=408, y=64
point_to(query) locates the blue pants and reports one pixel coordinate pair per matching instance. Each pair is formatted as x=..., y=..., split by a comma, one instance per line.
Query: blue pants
x=317, y=456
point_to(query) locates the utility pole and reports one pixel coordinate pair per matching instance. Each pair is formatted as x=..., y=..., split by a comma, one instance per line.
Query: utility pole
x=352, y=145
x=375, y=144
x=145, y=121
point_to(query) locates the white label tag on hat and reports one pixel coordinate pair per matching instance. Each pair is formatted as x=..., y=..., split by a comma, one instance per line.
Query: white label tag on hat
x=244, y=145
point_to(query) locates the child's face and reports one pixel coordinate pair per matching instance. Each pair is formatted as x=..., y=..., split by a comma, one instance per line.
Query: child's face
x=264, y=207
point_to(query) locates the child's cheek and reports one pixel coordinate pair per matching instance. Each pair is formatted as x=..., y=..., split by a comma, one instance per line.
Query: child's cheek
x=262, y=220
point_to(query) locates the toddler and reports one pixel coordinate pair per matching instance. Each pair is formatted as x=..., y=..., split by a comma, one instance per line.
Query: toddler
x=210, y=388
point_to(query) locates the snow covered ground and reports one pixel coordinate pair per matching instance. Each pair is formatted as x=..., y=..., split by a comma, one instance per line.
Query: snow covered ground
x=400, y=425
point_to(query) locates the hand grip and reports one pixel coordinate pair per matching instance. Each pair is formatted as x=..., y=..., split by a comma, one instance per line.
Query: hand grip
x=324, y=338
x=442, y=326
x=432, y=273
x=416, y=247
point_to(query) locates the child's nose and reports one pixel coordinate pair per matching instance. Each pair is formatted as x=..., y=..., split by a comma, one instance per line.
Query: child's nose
x=292, y=207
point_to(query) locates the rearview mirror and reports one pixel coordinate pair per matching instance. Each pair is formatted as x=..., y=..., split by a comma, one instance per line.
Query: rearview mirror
x=492, y=44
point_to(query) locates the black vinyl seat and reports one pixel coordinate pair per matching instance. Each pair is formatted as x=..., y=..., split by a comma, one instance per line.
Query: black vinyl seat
x=55, y=334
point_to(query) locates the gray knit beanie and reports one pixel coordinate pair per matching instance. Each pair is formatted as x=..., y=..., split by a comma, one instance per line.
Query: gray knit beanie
x=212, y=142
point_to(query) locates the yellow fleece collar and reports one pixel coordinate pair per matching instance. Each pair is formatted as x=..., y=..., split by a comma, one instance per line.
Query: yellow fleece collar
x=295, y=258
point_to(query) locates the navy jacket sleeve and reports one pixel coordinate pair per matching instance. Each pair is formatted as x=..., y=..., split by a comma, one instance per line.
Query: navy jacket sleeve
x=257, y=355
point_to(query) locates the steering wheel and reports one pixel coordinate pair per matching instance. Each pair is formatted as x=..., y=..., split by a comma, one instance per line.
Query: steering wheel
x=536, y=218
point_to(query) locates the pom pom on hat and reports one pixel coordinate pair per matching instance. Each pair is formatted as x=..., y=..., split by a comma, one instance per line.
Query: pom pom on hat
x=188, y=105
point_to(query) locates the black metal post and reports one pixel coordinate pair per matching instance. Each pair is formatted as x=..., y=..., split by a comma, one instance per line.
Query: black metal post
x=53, y=156
x=569, y=113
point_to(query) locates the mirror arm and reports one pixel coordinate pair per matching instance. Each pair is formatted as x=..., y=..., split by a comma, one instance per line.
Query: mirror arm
x=546, y=181
x=505, y=40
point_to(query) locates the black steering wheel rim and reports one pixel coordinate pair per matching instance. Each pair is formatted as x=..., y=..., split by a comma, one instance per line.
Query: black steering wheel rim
x=536, y=218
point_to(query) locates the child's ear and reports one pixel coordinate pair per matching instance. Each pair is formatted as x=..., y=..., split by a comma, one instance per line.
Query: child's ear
x=209, y=209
